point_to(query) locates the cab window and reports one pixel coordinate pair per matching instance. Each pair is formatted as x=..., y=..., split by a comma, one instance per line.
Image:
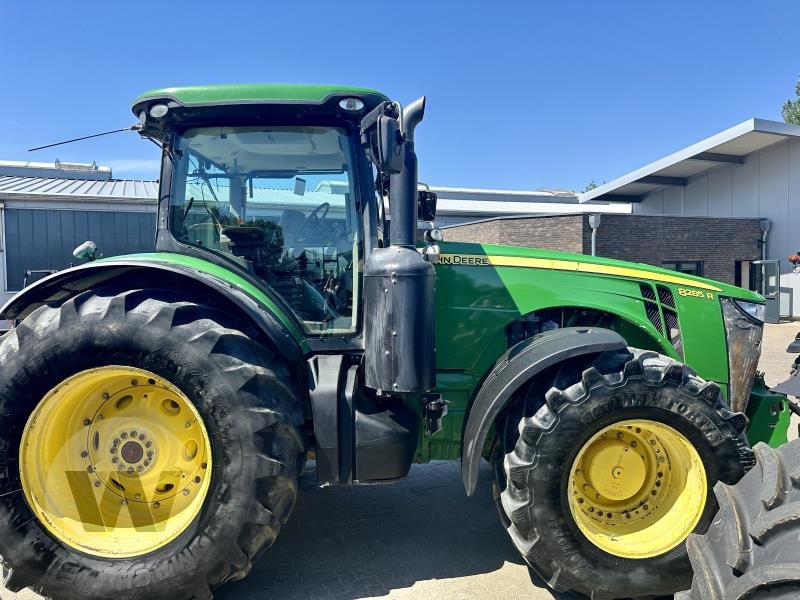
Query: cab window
x=280, y=201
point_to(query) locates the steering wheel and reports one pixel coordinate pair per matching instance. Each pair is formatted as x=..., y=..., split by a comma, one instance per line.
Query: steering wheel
x=315, y=220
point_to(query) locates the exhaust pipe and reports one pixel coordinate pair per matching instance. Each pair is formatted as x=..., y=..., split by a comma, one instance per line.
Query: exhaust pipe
x=403, y=185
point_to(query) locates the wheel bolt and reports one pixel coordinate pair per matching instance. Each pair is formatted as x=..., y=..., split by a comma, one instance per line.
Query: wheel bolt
x=133, y=433
x=188, y=424
x=96, y=484
x=185, y=492
x=140, y=468
x=121, y=468
x=137, y=497
x=84, y=454
x=113, y=450
x=156, y=505
x=197, y=479
x=134, y=382
x=652, y=442
x=114, y=459
x=148, y=444
x=90, y=469
x=142, y=437
x=147, y=463
x=130, y=470
x=87, y=422
x=634, y=444
x=116, y=441
x=124, y=435
x=150, y=454
x=105, y=396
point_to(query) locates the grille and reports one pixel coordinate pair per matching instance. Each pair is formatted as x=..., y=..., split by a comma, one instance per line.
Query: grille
x=663, y=304
x=666, y=297
x=651, y=307
x=655, y=317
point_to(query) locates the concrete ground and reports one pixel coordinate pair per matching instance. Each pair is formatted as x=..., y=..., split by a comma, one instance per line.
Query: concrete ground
x=416, y=539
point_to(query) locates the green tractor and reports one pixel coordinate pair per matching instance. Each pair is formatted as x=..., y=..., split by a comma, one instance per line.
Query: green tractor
x=157, y=410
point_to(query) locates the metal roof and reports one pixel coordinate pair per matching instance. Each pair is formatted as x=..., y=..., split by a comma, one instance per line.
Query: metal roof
x=20, y=168
x=78, y=189
x=727, y=147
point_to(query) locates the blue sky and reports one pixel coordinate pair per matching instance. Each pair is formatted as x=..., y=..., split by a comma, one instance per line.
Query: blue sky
x=521, y=95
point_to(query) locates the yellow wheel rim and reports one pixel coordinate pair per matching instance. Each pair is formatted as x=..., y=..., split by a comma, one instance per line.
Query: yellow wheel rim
x=115, y=462
x=637, y=489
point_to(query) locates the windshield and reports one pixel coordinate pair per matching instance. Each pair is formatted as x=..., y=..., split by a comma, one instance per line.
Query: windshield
x=280, y=201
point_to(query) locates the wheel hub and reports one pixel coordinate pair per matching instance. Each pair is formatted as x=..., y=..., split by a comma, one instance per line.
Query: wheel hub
x=111, y=437
x=637, y=488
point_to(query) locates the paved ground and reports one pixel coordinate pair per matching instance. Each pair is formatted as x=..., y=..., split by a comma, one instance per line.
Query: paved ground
x=417, y=539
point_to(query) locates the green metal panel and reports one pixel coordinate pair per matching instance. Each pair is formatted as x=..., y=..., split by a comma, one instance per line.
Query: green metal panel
x=254, y=93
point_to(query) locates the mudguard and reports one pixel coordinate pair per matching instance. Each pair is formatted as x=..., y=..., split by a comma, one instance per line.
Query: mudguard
x=133, y=272
x=515, y=368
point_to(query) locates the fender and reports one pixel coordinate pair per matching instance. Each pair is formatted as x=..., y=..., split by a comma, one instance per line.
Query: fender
x=133, y=272
x=516, y=367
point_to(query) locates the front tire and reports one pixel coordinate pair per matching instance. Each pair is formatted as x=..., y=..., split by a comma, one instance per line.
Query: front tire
x=663, y=436
x=188, y=367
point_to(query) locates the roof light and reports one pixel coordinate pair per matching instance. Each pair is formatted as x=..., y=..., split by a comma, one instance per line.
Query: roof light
x=351, y=104
x=158, y=110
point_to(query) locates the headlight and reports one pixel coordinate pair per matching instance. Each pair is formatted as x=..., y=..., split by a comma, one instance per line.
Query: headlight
x=752, y=309
x=743, y=330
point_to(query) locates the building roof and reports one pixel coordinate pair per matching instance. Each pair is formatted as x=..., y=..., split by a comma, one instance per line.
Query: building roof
x=78, y=189
x=726, y=147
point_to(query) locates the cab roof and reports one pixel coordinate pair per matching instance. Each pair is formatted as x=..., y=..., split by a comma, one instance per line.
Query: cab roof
x=260, y=93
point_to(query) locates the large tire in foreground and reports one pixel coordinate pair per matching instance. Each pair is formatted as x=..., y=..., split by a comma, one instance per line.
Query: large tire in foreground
x=600, y=477
x=752, y=549
x=178, y=415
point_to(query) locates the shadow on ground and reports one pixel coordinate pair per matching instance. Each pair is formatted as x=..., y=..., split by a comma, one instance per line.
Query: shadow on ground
x=367, y=541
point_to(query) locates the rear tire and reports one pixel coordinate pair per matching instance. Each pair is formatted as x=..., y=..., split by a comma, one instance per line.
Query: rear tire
x=538, y=447
x=241, y=391
x=751, y=549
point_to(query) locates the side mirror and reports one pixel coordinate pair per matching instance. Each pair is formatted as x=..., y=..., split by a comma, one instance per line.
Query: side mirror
x=426, y=205
x=87, y=250
x=390, y=145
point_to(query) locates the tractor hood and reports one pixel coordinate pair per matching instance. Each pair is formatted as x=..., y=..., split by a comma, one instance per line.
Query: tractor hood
x=467, y=254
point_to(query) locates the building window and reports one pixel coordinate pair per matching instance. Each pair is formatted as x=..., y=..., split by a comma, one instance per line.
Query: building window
x=690, y=267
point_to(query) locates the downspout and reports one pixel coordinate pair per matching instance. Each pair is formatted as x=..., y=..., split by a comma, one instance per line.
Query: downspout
x=594, y=223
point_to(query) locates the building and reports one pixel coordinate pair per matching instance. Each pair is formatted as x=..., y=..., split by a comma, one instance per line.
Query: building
x=751, y=170
x=46, y=210
x=695, y=245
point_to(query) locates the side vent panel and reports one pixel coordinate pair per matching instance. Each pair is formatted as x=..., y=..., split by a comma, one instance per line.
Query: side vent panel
x=651, y=307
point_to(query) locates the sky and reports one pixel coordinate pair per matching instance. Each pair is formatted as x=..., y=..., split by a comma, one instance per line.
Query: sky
x=521, y=95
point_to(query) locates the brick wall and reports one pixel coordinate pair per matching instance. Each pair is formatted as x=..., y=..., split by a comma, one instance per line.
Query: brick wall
x=552, y=233
x=717, y=242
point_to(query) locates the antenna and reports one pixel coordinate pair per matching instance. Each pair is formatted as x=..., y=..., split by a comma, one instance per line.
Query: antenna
x=136, y=127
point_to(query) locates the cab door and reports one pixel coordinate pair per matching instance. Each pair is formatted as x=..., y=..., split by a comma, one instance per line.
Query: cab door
x=766, y=280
